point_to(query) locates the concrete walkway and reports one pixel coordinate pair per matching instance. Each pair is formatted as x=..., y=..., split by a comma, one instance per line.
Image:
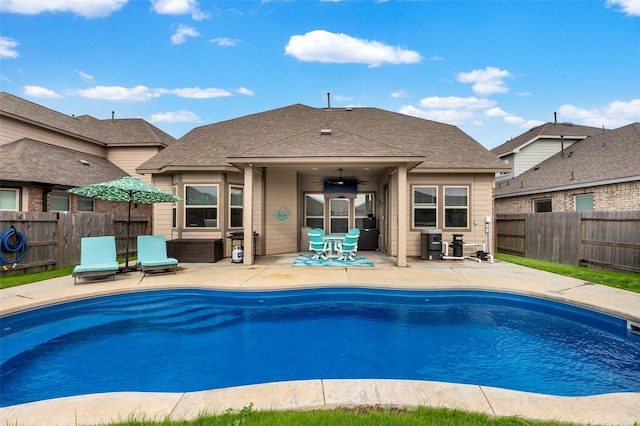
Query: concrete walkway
x=275, y=272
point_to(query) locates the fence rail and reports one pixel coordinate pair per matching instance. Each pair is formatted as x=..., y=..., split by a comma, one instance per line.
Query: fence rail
x=603, y=240
x=53, y=239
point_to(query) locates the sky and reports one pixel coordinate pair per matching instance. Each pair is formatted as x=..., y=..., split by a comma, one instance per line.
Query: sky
x=493, y=68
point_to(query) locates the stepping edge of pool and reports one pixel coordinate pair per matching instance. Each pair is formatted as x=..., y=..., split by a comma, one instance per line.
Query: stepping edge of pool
x=326, y=394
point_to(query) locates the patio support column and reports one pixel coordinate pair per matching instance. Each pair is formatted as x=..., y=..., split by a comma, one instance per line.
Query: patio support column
x=247, y=215
x=402, y=216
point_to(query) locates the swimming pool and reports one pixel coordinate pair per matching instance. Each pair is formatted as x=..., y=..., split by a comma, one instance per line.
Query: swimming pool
x=189, y=339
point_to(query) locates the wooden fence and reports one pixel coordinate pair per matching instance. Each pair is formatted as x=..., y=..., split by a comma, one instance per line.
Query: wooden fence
x=53, y=239
x=602, y=240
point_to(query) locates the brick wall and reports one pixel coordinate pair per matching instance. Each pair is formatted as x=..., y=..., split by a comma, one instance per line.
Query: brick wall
x=614, y=197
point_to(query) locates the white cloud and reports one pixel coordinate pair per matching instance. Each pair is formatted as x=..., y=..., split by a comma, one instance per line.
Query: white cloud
x=436, y=58
x=450, y=116
x=84, y=76
x=615, y=114
x=224, y=41
x=323, y=46
x=198, y=93
x=524, y=93
x=495, y=112
x=629, y=7
x=40, y=92
x=181, y=116
x=486, y=81
x=179, y=7
x=120, y=94
x=244, y=91
x=85, y=8
x=341, y=98
x=400, y=94
x=453, y=102
x=7, y=46
x=181, y=34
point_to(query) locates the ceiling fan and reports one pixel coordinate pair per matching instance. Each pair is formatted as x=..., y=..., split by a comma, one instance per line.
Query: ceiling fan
x=344, y=180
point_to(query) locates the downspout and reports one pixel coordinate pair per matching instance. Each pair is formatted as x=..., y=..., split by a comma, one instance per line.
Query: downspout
x=45, y=195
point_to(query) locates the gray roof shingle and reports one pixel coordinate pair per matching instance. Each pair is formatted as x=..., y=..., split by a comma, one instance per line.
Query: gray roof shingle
x=294, y=131
x=610, y=156
x=27, y=160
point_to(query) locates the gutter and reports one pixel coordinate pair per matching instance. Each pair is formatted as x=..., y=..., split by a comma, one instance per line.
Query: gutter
x=568, y=187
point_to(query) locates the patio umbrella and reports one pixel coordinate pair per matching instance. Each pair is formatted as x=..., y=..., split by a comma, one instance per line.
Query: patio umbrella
x=127, y=189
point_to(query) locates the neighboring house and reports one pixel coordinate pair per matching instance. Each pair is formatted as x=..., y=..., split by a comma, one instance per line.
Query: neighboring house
x=601, y=172
x=279, y=172
x=536, y=145
x=44, y=153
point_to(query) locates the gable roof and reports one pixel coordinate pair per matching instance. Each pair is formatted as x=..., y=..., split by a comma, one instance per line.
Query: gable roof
x=604, y=158
x=27, y=160
x=547, y=130
x=294, y=132
x=133, y=131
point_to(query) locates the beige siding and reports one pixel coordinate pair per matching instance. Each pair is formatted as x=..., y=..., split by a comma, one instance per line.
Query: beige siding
x=537, y=152
x=163, y=212
x=129, y=158
x=281, y=236
x=13, y=130
x=480, y=206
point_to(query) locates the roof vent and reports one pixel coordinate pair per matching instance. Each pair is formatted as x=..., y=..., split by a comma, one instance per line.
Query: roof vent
x=85, y=162
x=325, y=132
x=348, y=109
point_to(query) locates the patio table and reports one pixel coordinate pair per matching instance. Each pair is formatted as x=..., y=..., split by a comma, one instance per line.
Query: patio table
x=335, y=241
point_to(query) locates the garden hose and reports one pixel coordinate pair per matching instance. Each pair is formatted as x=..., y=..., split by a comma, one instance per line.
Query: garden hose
x=12, y=241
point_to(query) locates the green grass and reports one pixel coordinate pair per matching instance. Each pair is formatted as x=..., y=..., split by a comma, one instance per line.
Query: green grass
x=629, y=282
x=365, y=416
x=33, y=277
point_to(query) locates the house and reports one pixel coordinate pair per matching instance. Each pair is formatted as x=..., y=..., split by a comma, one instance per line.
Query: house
x=280, y=172
x=45, y=152
x=539, y=143
x=601, y=172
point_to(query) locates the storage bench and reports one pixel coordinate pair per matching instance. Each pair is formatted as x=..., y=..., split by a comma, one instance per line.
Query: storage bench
x=196, y=250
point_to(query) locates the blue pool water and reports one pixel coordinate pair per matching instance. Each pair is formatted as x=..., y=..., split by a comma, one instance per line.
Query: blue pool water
x=189, y=340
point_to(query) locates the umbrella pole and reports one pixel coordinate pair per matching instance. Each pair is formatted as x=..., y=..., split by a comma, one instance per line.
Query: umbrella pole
x=126, y=265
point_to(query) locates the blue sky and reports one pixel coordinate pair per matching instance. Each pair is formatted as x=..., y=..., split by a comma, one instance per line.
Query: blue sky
x=492, y=68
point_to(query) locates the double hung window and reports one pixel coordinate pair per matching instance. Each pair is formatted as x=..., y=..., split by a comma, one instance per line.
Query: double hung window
x=201, y=206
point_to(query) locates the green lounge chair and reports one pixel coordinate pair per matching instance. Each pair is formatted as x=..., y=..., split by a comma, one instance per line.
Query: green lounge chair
x=97, y=258
x=152, y=254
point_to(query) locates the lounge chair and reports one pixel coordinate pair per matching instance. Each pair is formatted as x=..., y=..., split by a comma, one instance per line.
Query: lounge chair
x=349, y=247
x=152, y=254
x=317, y=244
x=97, y=258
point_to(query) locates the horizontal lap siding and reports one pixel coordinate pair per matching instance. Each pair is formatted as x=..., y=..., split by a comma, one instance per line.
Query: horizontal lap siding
x=281, y=191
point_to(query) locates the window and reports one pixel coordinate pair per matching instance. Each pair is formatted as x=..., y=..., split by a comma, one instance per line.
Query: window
x=201, y=206
x=85, y=204
x=174, y=208
x=584, y=202
x=236, y=201
x=364, y=212
x=314, y=210
x=456, y=207
x=542, y=205
x=339, y=215
x=425, y=203
x=9, y=199
x=59, y=203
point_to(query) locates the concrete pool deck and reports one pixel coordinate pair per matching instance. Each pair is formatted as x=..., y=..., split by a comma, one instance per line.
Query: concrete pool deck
x=275, y=272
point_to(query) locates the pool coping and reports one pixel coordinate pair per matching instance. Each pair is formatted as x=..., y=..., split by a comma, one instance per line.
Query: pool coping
x=611, y=409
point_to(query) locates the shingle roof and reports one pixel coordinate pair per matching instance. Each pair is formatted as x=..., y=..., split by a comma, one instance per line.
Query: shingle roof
x=548, y=129
x=294, y=131
x=605, y=157
x=133, y=131
x=27, y=160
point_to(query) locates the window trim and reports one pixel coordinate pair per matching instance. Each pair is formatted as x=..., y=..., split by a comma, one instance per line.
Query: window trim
x=536, y=201
x=16, y=192
x=466, y=207
x=232, y=206
x=320, y=196
x=174, y=208
x=202, y=206
x=414, y=207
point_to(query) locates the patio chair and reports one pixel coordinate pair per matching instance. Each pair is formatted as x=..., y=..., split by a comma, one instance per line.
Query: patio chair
x=97, y=258
x=152, y=254
x=317, y=244
x=349, y=247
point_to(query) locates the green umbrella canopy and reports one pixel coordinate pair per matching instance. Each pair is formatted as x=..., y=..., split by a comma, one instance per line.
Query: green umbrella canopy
x=127, y=189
